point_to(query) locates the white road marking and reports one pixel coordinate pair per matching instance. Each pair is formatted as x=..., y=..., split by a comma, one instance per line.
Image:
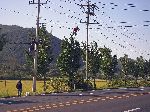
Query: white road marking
x=132, y=110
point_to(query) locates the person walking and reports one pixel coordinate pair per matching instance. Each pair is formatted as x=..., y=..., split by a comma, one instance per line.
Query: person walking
x=19, y=87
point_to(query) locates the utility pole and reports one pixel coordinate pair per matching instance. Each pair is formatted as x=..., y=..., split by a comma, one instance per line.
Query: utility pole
x=89, y=12
x=36, y=42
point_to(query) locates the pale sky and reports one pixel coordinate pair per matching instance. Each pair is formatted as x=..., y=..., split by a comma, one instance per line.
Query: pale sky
x=113, y=16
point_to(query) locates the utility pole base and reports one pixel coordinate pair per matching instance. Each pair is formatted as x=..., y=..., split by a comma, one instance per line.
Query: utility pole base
x=34, y=85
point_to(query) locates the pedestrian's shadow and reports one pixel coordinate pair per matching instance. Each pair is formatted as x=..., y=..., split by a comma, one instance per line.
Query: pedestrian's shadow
x=10, y=102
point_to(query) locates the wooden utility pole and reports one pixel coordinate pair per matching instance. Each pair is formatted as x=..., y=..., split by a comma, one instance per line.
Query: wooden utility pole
x=89, y=12
x=36, y=42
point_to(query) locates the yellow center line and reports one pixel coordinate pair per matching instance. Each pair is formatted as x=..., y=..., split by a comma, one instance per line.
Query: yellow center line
x=68, y=104
x=111, y=98
x=48, y=107
x=99, y=98
x=55, y=106
x=28, y=108
x=61, y=105
x=82, y=101
x=74, y=103
x=88, y=101
x=42, y=108
x=119, y=97
x=95, y=100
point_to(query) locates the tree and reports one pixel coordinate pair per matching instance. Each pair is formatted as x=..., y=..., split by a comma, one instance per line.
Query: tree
x=146, y=68
x=45, y=56
x=105, y=61
x=2, y=41
x=113, y=66
x=69, y=59
x=93, y=59
x=125, y=66
x=140, y=64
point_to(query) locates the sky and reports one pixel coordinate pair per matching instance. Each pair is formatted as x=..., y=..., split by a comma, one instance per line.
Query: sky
x=115, y=18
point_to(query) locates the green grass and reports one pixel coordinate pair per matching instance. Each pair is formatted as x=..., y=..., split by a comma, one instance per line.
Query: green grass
x=100, y=83
x=10, y=88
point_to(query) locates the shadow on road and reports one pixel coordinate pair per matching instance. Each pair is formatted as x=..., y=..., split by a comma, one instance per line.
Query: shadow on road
x=10, y=102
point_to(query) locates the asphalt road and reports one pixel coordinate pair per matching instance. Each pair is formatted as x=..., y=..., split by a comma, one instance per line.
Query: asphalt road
x=108, y=100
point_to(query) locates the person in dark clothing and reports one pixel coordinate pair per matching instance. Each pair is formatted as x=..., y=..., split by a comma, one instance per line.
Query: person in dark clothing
x=19, y=87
